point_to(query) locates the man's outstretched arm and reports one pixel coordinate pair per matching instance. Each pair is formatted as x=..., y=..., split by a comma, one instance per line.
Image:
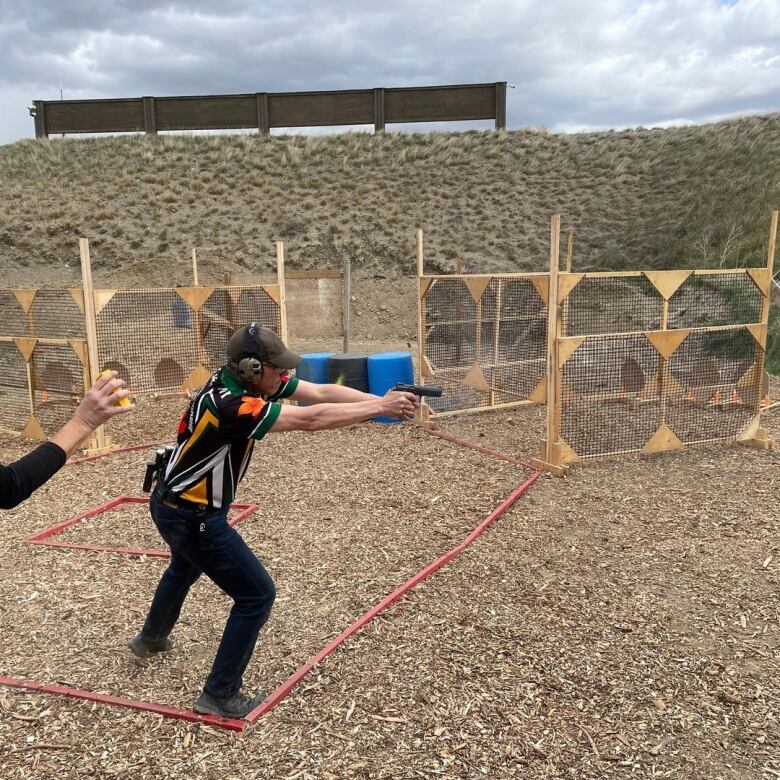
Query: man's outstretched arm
x=329, y=394
x=324, y=416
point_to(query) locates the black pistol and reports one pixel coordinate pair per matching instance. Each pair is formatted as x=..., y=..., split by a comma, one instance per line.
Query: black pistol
x=420, y=391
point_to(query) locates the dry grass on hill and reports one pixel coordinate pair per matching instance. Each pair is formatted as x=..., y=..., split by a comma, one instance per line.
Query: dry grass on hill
x=636, y=198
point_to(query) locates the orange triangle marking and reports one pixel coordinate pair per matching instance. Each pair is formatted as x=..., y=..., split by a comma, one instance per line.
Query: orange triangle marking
x=667, y=282
x=476, y=379
x=662, y=440
x=477, y=285
x=666, y=341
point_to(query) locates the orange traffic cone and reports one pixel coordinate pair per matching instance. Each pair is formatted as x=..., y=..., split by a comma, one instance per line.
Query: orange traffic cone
x=765, y=402
x=715, y=398
x=689, y=395
x=735, y=399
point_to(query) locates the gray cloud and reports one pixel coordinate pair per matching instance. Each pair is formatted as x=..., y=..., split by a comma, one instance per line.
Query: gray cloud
x=604, y=63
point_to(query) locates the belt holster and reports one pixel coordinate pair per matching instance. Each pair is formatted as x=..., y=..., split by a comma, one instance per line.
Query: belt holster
x=156, y=468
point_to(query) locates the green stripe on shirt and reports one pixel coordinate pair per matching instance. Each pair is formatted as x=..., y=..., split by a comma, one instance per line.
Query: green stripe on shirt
x=268, y=420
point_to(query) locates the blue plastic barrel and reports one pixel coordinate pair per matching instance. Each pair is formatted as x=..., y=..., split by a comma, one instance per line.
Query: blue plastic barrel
x=313, y=368
x=385, y=370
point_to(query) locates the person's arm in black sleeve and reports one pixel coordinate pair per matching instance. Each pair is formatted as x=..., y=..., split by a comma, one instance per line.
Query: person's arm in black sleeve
x=18, y=480
x=27, y=474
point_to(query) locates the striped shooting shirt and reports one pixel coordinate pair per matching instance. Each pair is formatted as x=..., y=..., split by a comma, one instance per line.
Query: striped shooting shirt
x=216, y=436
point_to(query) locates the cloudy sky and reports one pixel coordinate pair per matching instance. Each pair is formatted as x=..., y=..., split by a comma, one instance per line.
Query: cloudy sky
x=575, y=64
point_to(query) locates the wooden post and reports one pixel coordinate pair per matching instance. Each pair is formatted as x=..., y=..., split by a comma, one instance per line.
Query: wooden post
x=458, y=317
x=379, y=110
x=263, y=118
x=422, y=414
x=420, y=326
x=662, y=364
x=194, y=267
x=90, y=323
x=496, y=332
x=766, y=303
x=347, y=307
x=755, y=435
x=553, y=334
x=30, y=362
x=770, y=264
x=201, y=357
x=282, y=294
x=226, y=280
x=500, y=105
x=565, y=305
x=150, y=116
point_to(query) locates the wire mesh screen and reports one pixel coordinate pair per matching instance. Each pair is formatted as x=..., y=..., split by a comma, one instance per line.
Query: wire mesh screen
x=517, y=362
x=13, y=320
x=644, y=386
x=715, y=299
x=226, y=310
x=58, y=384
x=150, y=337
x=607, y=304
x=486, y=350
x=254, y=304
x=155, y=339
x=14, y=390
x=610, y=396
x=55, y=314
x=710, y=387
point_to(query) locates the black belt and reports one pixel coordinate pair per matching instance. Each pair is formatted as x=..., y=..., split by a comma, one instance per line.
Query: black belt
x=171, y=499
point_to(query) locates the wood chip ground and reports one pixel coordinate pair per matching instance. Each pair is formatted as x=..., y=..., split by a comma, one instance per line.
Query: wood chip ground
x=622, y=622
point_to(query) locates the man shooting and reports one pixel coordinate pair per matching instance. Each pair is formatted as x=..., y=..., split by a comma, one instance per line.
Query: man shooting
x=238, y=406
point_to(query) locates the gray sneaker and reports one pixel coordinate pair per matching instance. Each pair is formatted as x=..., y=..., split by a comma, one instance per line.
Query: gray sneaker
x=144, y=648
x=239, y=705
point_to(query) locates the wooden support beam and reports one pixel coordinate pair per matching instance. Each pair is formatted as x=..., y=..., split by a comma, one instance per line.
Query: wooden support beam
x=553, y=336
x=282, y=290
x=195, y=267
x=346, y=316
x=90, y=322
x=316, y=273
x=422, y=286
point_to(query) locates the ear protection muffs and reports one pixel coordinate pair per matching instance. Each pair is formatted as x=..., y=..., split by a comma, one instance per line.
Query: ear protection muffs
x=250, y=366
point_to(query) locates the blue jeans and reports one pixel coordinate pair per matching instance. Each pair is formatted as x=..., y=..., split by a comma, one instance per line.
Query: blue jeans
x=224, y=557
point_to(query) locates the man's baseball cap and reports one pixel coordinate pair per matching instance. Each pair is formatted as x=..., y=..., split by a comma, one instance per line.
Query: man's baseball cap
x=254, y=340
